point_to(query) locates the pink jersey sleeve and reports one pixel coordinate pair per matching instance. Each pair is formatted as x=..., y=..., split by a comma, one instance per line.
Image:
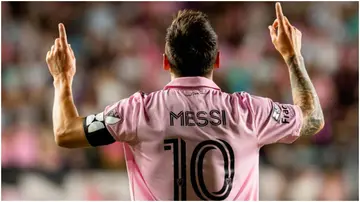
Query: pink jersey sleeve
x=272, y=121
x=121, y=118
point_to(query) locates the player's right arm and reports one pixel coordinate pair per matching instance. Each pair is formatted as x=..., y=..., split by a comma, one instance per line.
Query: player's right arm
x=287, y=40
x=116, y=123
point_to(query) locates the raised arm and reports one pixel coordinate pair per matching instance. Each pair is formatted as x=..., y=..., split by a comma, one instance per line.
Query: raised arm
x=67, y=125
x=287, y=40
x=304, y=95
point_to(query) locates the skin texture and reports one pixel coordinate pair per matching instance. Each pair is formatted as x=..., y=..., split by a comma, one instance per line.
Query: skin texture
x=287, y=40
x=304, y=95
x=67, y=124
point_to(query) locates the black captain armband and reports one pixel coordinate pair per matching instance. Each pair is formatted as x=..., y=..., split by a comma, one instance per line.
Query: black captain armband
x=95, y=130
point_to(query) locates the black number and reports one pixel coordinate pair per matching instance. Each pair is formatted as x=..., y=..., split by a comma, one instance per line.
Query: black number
x=179, y=182
x=196, y=168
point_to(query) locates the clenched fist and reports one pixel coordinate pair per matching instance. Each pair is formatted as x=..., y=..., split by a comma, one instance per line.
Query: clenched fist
x=287, y=39
x=60, y=59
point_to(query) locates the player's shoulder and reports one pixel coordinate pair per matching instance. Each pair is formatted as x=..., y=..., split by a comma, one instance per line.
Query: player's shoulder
x=144, y=98
x=141, y=96
x=134, y=99
x=245, y=96
x=250, y=101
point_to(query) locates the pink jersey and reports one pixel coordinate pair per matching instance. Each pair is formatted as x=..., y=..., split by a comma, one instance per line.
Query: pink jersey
x=191, y=141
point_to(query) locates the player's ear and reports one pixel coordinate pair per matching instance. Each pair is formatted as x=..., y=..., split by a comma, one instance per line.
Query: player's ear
x=166, y=64
x=217, y=61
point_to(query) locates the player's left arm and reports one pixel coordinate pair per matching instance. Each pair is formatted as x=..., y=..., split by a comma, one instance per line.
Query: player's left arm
x=288, y=42
x=67, y=124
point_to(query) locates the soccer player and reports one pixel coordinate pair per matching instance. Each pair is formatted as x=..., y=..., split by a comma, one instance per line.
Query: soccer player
x=191, y=141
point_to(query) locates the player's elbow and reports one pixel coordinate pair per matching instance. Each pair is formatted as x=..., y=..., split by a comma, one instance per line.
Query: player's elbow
x=64, y=139
x=318, y=116
x=319, y=124
x=313, y=124
x=70, y=134
x=322, y=123
x=61, y=140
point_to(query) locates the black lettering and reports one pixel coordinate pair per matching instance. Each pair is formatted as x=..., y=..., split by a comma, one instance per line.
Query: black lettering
x=284, y=120
x=223, y=117
x=212, y=115
x=189, y=116
x=199, y=117
x=286, y=117
x=286, y=110
x=176, y=116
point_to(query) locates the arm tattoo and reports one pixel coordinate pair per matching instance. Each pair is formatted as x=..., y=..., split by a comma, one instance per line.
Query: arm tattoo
x=304, y=95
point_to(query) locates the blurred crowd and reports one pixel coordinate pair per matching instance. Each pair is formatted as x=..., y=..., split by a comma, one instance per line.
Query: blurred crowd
x=119, y=46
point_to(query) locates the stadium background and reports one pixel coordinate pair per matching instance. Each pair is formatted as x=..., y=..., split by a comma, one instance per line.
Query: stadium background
x=118, y=47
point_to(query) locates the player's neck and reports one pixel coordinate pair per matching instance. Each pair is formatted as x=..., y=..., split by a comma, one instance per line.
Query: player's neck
x=208, y=76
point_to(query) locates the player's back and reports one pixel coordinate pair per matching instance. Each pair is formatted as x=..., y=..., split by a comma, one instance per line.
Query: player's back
x=191, y=141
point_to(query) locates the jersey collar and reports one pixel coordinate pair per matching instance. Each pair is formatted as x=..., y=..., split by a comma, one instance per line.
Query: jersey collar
x=191, y=82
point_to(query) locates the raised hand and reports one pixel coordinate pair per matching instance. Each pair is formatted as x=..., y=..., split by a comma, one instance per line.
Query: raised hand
x=60, y=59
x=287, y=39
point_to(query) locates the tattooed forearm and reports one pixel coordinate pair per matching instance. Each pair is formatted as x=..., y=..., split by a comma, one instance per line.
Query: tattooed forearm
x=304, y=95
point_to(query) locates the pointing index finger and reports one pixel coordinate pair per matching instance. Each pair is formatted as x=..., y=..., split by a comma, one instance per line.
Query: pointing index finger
x=279, y=14
x=62, y=35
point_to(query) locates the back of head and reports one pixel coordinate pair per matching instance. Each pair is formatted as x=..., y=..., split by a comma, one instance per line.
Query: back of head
x=191, y=44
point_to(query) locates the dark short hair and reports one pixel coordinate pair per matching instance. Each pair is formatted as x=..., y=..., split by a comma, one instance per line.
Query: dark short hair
x=191, y=44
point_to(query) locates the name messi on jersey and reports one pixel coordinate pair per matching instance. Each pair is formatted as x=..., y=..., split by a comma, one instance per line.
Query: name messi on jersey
x=200, y=118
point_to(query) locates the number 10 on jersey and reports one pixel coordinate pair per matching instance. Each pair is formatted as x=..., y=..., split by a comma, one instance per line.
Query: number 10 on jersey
x=178, y=147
